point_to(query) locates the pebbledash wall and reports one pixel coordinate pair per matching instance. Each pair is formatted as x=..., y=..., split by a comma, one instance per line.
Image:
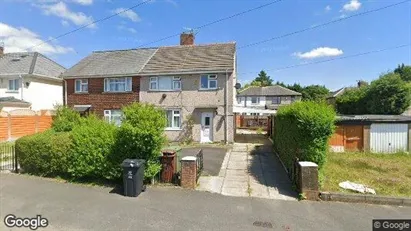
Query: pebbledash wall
x=21, y=122
x=100, y=100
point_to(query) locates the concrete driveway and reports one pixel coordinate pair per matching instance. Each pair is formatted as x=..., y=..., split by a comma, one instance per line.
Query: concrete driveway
x=212, y=156
x=77, y=207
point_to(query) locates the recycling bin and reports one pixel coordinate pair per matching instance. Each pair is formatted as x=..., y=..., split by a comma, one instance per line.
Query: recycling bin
x=133, y=177
x=169, y=163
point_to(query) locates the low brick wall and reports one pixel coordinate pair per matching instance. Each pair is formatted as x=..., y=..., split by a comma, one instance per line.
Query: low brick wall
x=22, y=122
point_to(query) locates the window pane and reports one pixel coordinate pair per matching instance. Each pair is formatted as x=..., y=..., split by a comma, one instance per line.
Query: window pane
x=169, y=118
x=78, y=85
x=176, y=85
x=204, y=81
x=153, y=85
x=164, y=83
x=177, y=121
x=207, y=121
x=213, y=83
x=253, y=99
x=128, y=84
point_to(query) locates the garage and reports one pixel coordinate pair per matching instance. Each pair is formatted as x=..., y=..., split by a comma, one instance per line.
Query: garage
x=388, y=138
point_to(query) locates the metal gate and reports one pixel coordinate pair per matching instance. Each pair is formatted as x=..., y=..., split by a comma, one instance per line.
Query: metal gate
x=8, y=157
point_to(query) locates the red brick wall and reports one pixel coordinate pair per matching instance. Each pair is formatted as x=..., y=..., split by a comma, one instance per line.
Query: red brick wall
x=100, y=100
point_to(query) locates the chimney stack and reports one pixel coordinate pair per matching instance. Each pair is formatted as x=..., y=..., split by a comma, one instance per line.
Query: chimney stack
x=187, y=38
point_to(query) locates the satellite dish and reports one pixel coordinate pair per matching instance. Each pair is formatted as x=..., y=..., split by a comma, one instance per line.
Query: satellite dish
x=237, y=86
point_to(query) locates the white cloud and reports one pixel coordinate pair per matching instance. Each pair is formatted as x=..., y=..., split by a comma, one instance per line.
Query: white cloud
x=319, y=52
x=61, y=10
x=83, y=2
x=327, y=8
x=129, y=29
x=65, y=23
x=353, y=5
x=128, y=14
x=20, y=39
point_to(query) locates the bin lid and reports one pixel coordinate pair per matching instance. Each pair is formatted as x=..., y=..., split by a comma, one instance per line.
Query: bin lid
x=133, y=163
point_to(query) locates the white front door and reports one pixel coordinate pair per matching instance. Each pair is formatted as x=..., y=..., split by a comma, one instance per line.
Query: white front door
x=206, y=127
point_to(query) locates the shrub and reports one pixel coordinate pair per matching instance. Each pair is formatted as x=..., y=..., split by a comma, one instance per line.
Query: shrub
x=353, y=101
x=65, y=120
x=141, y=135
x=93, y=142
x=44, y=154
x=302, y=130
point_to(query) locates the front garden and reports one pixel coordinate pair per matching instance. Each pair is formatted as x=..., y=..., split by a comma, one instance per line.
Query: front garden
x=91, y=149
x=388, y=174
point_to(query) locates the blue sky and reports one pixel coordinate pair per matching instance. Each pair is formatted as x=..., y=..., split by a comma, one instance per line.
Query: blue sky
x=25, y=23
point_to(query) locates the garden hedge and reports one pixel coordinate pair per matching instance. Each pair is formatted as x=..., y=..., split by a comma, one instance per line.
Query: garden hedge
x=302, y=130
x=44, y=154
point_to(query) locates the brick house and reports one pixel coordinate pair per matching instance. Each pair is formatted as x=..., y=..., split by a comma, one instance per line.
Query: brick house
x=194, y=84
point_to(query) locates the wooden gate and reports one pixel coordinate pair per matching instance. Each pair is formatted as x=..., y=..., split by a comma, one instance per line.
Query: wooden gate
x=347, y=138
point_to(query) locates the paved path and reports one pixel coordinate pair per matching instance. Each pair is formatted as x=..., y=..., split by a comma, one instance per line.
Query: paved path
x=76, y=207
x=254, y=170
x=251, y=169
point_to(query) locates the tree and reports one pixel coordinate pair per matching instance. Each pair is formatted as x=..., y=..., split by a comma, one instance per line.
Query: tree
x=262, y=80
x=314, y=93
x=388, y=95
x=352, y=101
x=404, y=72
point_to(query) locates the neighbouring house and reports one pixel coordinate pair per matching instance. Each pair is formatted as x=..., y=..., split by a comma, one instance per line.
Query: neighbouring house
x=194, y=84
x=29, y=80
x=270, y=97
x=375, y=133
x=332, y=96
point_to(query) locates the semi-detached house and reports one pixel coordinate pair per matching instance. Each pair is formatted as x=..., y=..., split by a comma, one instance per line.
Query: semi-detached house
x=194, y=84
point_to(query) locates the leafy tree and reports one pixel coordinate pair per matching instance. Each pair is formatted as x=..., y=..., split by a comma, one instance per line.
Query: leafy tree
x=262, y=80
x=296, y=87
x=388, y=95
x=352, y=101
x=404, y=72
x=315, y=93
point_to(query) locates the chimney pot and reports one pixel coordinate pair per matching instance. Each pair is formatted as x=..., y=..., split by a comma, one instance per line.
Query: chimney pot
x=187, y=39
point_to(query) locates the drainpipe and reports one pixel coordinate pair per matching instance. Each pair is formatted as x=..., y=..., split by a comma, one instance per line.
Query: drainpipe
x=226, y=107
x=21, y=86
x=65, y=92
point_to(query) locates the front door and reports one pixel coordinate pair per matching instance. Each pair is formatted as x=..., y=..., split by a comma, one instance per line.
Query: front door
x=206, y=127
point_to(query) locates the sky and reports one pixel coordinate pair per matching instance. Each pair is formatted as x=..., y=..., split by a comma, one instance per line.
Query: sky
x=25, y=23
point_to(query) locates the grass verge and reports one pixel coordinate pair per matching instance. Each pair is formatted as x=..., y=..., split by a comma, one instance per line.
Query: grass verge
x=388, y=174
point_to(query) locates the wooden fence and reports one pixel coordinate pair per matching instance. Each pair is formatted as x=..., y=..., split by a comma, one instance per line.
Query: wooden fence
x=252, y=122
x=22, y=122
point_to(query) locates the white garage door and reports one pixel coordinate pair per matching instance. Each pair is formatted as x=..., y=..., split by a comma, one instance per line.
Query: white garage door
x=388, y=138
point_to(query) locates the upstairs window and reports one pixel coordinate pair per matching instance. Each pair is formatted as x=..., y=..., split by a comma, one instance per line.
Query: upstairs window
x=255, y=100
x=276, y=100
x=81, y=85
x=165, y=83
x=14, y=85
x=113, y=116
x=208, y=82
x=117, y=84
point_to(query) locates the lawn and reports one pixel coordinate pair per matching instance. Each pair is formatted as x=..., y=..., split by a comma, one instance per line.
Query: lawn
x=388, y=174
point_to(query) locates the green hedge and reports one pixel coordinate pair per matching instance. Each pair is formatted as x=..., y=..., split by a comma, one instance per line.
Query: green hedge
x=302, y=130
x=92, y=149
x=93, y=142
x=44, y=154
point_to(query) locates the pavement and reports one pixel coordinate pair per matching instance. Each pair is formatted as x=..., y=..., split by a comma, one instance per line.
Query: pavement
x=212, y=156
x=78, y=207
x=251, y=169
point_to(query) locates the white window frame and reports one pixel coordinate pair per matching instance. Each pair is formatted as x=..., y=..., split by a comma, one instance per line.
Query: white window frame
x=278, y=101
x=108, y=116
x=14, y=85
x=210, y=78
x=128, y=84
x=257, y=100
x=175, y=80
x=173, y=115
x=83, y=82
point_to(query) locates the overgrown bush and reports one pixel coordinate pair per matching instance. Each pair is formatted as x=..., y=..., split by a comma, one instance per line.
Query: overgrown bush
x=353, y=101
x=65, y=120
x=302, y=130
x=141, y=136
x=44, y=154
x=93, y=142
